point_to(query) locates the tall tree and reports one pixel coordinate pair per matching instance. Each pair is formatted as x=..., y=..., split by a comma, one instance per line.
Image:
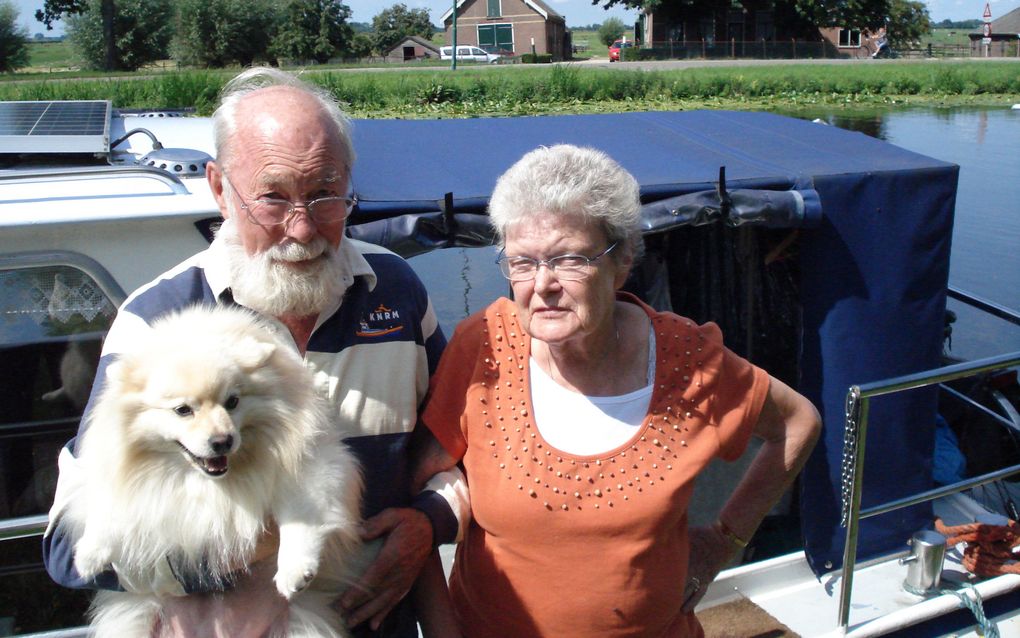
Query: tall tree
x=313, y=30
x=396, y=23
x=13, y=39
x=216, y=33
x=908, y=23
x=53, y=10
x=142, y=31
x=611, y=31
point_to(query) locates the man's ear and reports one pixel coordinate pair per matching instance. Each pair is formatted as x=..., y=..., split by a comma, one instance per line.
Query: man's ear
x=214, y=175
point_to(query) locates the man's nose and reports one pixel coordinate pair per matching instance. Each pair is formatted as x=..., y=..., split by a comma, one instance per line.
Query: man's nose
x=301, y=227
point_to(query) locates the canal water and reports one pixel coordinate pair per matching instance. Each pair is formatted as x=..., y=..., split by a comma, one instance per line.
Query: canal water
x=985, y=143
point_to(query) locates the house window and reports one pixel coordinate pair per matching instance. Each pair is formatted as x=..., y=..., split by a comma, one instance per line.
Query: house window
x=496, y=37
x=494, y=9
x=764, y=28
x=849, y=37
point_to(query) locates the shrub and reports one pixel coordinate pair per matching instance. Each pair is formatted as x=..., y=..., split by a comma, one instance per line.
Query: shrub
x=536, y=58
x=13, y=39
x=217, y=33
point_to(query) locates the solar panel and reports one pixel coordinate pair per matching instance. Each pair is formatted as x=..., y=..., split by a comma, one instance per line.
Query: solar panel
x=55, y=127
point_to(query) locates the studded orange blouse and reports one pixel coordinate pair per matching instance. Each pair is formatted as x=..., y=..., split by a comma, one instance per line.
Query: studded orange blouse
x=563, y=545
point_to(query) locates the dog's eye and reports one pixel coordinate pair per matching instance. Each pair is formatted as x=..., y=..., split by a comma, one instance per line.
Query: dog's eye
x=231, y=402
x=183, y=410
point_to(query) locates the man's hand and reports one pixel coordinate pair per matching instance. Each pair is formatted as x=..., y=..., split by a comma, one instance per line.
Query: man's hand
x=388, y=579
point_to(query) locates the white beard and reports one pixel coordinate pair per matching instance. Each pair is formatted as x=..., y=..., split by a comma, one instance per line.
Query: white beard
x=265, y=282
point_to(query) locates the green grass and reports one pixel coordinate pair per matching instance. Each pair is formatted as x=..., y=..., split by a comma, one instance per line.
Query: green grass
x=528, y=90
x=947, y=36
x=50, y=55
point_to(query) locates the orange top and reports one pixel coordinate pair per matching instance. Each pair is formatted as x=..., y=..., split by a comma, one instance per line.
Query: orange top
x=564, y=545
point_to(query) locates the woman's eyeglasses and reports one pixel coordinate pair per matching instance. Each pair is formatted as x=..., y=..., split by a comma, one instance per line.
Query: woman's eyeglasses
x=565, y=267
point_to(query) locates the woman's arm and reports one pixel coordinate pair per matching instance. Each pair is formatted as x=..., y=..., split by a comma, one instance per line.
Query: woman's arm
x=789, y=426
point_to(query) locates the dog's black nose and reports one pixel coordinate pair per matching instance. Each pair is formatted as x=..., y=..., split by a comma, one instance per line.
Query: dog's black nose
x=221, y=444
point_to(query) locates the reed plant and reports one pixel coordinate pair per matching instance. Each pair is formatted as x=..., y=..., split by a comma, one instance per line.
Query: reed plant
x=519, y=90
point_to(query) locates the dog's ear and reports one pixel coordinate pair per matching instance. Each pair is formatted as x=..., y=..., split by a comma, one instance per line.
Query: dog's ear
x=252, y=354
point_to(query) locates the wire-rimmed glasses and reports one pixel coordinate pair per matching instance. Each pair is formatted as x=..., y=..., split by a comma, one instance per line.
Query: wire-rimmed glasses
x=269, y=211
x=565, y=267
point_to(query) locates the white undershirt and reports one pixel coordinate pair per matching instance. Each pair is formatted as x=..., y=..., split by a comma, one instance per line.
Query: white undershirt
x=579, y=424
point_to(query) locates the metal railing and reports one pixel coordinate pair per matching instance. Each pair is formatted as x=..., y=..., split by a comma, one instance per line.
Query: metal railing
x=858, y=403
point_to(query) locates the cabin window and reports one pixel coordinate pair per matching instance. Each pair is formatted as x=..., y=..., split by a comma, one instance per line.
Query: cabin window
x=52, y=322
x=849, y=37
x=494, y=9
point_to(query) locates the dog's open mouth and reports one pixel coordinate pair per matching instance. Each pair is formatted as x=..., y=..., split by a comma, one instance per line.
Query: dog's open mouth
x=212, y=465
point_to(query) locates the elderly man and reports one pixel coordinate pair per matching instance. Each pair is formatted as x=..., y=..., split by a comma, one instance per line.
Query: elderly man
x=281, y=177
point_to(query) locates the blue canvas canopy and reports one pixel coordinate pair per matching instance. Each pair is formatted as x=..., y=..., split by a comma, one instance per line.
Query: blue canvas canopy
x=873, y=226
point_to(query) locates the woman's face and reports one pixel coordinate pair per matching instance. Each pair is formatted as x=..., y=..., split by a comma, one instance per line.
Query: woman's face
x=557, y=311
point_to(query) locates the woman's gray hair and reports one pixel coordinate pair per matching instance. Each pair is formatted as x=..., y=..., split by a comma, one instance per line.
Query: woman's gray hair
x=255, y=78
x=570, y=180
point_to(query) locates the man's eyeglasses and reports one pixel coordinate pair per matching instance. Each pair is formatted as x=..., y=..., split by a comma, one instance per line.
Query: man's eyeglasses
x=270, y=212
x=565, y=267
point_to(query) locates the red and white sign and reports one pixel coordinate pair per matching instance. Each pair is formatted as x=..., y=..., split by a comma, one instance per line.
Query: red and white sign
x=988, y=30
x=988, y=11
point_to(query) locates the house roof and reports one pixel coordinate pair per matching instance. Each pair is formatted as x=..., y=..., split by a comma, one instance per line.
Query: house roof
x=1009, y=23
x=417, y=40
x=539, y=6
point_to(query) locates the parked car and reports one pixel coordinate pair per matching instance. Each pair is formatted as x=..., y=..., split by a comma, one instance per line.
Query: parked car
x=468, y=54
x=616, y=47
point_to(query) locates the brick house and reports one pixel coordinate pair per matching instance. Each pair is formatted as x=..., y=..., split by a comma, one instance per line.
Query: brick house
x=509, y=25
x=412, y=48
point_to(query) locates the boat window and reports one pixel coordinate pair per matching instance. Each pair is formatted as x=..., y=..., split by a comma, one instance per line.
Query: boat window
x=52, y=321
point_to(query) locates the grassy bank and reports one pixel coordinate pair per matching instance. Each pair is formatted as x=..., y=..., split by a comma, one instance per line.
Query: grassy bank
x=532, y=90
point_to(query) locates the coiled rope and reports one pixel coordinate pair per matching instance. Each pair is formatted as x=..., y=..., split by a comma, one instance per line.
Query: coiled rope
x=988, y=552
x=989, y=549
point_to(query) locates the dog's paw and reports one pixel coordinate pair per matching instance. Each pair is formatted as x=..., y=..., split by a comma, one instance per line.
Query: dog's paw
x=91, y=557
x=292, y=578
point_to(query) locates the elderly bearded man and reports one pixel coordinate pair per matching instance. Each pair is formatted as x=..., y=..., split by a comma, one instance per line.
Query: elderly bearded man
x=280, y=138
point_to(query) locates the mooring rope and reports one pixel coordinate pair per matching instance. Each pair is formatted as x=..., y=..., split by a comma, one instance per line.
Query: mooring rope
x=987, y=628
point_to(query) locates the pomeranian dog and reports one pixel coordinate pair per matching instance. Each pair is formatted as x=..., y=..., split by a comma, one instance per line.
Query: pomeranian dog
x=201, y=436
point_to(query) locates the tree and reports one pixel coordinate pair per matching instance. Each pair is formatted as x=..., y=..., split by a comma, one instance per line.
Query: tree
x=313, y=30
x=53, y=10
x=13, y=39
x=611, y=31
x=216, y=33
x=819, y=13
x=908, y=22
x=396, y=23
x=141, y=32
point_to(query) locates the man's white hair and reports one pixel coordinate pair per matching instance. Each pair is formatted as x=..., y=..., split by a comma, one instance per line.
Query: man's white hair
x=255, y=78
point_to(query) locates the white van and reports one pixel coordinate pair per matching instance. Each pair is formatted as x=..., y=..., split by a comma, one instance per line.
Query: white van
x=466, y=53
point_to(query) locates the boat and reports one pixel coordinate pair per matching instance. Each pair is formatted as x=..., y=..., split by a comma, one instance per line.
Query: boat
x=823, y=254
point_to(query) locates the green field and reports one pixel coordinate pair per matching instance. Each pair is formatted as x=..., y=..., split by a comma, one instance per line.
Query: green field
x=44, y=56
x=536, y=89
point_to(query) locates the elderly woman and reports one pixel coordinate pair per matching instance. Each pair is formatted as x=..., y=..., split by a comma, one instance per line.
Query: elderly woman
x=582, y=417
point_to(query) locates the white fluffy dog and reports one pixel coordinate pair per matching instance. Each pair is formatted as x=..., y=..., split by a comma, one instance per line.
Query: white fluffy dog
x=201, y=436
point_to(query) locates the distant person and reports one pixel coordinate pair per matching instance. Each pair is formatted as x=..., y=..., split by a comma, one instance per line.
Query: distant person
x=582, y=418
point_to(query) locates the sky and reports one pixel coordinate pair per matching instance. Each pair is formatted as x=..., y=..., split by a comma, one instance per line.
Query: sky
x=576, y=12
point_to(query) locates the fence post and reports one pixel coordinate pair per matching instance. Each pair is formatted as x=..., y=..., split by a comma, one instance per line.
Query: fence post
x=704, y=53
x=764, y=50
x=733, y=47
x=793, y=45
